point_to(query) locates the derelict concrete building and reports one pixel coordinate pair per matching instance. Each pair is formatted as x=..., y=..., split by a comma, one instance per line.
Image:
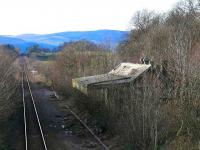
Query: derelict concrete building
x=122, y=75
x=123, y=83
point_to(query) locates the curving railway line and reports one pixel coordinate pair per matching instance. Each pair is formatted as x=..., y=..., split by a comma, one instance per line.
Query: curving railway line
x=33, y=132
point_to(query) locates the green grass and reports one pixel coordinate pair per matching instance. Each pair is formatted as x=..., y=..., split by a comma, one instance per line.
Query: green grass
x=5, y=148
x=128, y=147
x=43, y=56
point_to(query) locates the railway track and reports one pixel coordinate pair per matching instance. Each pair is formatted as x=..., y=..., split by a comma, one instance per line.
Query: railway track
x=33, y=132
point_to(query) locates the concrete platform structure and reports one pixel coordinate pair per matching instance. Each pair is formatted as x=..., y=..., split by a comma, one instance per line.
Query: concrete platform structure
x=123, y=74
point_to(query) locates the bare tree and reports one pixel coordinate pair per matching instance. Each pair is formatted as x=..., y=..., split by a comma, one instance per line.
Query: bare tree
x=8, y=83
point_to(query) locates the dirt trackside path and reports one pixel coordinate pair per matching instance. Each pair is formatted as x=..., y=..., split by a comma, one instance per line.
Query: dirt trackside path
x=56, y=124
x=61, y=129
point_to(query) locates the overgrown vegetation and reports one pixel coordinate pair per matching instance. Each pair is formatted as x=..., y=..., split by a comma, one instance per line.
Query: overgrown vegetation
x=79, y=59
x=8, y=86
x=8, y=83
x=172, y=42
x=173, y=38
x=43, y=54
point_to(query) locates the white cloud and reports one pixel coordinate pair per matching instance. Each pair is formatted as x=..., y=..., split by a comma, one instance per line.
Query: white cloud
x=47, y=16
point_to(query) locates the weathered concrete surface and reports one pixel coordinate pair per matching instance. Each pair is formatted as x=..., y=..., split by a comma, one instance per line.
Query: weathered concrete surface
x=122, y=74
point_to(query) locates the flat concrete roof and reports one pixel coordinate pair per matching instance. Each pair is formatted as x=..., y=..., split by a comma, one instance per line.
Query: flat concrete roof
x=123, y=73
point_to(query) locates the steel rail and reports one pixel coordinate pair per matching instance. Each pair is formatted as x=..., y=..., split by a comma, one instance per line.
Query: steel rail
x=24, y=106
x=71, y=111
x=36, y=112
x=24, y=75
x=85, y=125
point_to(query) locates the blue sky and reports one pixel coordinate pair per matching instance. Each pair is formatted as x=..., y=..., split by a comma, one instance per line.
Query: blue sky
x=49, y=16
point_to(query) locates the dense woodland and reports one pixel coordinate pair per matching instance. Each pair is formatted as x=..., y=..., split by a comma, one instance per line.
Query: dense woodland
x=9, y=87
x=172, y=39
x=8, y=83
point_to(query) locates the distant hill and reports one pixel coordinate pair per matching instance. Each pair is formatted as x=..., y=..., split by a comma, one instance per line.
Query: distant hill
x=21, y=44
x=51, y=41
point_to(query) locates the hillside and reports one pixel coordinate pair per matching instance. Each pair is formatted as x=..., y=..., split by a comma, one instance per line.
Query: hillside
x=51, y=41
x=18, y=43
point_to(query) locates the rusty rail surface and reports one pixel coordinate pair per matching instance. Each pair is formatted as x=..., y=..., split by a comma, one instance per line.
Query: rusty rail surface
x=86, y=126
